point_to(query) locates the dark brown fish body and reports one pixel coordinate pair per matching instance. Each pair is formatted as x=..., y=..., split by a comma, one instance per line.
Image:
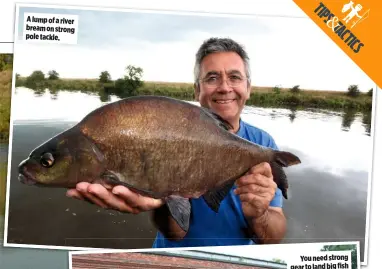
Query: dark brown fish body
x=158, y=146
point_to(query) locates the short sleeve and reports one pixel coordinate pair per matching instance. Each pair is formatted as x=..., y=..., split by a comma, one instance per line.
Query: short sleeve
x=277, y=200
x=272, y=143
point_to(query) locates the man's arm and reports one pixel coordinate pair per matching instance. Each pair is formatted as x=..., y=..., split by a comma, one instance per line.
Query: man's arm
x=269, y=228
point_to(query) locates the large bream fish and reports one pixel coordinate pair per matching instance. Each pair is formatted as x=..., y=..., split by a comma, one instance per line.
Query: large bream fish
x=157, y=146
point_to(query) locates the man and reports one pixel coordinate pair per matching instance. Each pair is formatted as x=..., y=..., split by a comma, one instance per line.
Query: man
x=252, y=211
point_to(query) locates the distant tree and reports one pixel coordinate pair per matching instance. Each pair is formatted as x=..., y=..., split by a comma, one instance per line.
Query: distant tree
x=134, y=73
x=129, y=85
x=295, y=89
x=104, y=77
x=37, y=76
x=370, y=92
x=53, y=75
x=35, y=80
x=353, y=91
x=352, y=248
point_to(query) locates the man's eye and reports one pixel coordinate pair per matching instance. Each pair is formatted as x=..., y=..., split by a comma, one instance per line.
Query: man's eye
x=235, y=77
x=210, y=79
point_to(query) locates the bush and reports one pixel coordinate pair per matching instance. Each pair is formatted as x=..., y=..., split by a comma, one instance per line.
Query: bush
x=53, y=75
x=129, y=84
x=105, y=77
x=35, y=80
x=353, y=91
x=295, y=89
x=277, y=89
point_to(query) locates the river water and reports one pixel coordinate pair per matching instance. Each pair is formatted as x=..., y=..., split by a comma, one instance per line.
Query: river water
x=327, y=196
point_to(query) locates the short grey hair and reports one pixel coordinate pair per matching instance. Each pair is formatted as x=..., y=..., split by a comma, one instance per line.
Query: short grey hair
x=215, y=44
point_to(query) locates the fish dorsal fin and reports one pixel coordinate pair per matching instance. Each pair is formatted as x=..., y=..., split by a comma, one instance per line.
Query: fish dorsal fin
x=219, y=120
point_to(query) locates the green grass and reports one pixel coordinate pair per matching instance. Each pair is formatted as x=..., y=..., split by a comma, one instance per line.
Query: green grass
x=5, y=104
x=311, y=100
x=3, y=183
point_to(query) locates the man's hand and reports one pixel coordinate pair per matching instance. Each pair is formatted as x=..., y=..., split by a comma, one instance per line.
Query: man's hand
x=122, y=199
x=118, y=198
x=256, y=190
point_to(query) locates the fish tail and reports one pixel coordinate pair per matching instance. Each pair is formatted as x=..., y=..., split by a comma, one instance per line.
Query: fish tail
x=282, y=159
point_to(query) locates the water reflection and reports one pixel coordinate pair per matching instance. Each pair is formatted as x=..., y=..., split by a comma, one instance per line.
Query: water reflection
x=39, y=92
x=104, y=97
x=292, y=114
x=366, y=121
x=53, y=93
x=348, y=119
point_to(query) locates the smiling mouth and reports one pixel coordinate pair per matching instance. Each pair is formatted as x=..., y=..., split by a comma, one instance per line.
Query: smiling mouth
x=224, y=101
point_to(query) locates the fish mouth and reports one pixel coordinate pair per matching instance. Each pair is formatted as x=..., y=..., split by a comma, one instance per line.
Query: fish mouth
x=24, y=176
x=26, y=179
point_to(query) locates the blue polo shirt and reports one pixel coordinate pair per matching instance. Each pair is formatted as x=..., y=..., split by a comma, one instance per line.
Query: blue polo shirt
x=228, y=227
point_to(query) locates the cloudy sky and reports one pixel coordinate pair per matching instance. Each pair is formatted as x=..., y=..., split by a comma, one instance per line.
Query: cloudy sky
x=284, y=50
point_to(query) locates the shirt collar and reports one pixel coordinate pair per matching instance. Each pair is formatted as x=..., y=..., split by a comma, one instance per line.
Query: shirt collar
x=241, y=130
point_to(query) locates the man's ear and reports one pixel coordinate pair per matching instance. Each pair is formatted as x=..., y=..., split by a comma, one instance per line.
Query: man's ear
x=196, y=91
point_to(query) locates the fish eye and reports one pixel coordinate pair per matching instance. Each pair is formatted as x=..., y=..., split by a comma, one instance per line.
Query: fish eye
x=47, y=159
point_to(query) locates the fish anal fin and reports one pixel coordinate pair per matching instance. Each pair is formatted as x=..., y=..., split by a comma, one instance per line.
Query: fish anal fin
x=213, y=198
x=180, y=210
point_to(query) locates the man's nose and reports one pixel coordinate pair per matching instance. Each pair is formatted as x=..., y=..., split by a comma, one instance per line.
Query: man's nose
x=223, y=86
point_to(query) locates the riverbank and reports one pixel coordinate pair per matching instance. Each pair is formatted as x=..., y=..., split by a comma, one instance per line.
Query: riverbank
x=5, y=104
x=260, y=96
x=3, y=184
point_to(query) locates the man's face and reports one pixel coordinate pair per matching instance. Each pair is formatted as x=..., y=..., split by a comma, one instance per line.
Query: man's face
x=218, y=71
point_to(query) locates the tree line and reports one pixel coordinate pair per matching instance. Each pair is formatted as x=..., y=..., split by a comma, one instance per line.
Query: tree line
x=125, y=86
x=352, y=91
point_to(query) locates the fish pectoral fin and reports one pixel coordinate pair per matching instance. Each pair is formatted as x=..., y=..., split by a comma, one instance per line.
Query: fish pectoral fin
x=213, y=198
x=220, y=121
x=180, y=210
x=111, y=177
